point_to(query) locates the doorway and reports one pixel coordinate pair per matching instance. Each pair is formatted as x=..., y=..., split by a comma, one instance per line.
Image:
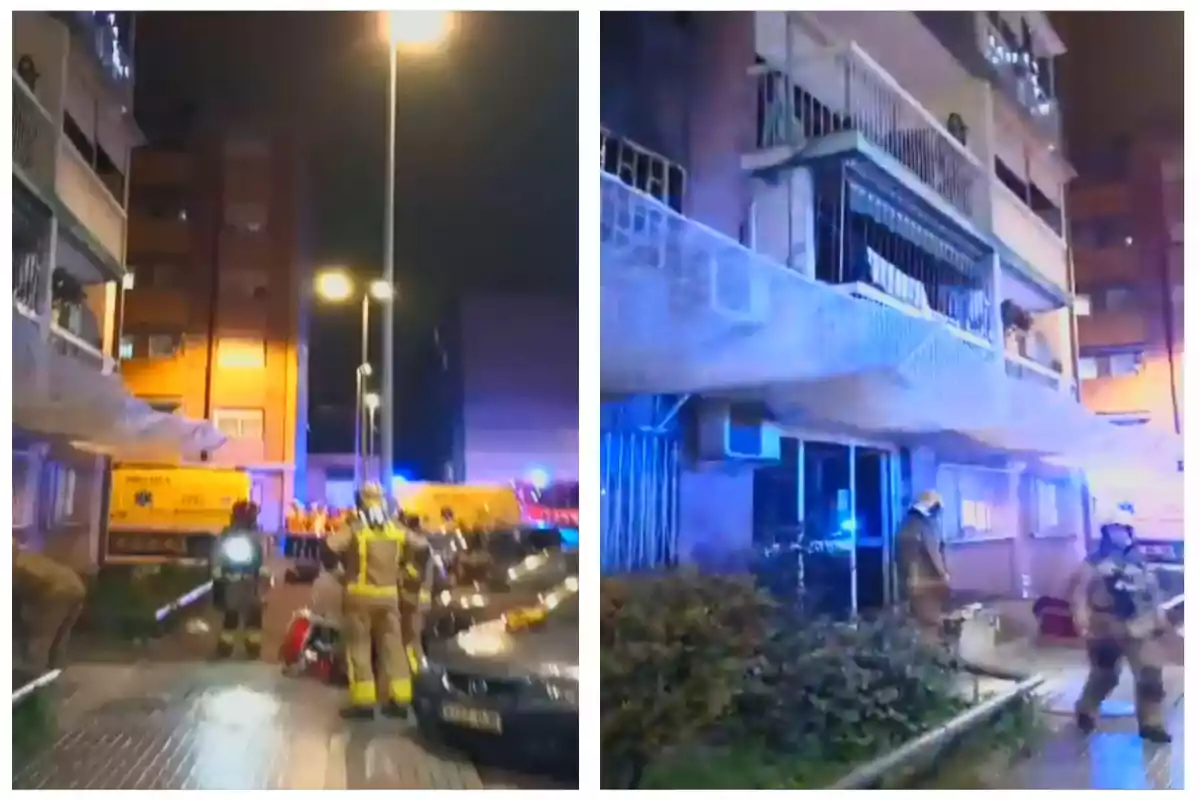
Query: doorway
x=848, y=527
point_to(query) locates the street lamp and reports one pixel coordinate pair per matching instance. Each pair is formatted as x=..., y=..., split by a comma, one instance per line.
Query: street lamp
x=371, y=402
x=335, y=285
x=411, y=30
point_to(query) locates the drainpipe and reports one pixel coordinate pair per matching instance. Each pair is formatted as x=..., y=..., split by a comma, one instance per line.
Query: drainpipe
x=214, y=289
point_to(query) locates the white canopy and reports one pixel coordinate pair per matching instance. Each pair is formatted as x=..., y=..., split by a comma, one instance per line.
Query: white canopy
x=58, y=395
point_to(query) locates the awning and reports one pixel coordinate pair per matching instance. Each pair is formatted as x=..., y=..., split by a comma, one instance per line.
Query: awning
x=58, y=395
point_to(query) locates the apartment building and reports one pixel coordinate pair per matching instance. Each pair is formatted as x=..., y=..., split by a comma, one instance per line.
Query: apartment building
x=1127, y=240
x=73, y=130
x=213, y=322
x=833, y=276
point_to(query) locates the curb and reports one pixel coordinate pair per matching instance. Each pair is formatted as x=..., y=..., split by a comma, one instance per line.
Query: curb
x=871, y=774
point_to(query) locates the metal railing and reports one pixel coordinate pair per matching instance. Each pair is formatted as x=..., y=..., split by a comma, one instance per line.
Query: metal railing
x=1025, y=369
x=865, y=239
x=33, y=136
x=73, y=345
x=31, y=233
x=842, y=89
x=643, y=169
x=1014, y=72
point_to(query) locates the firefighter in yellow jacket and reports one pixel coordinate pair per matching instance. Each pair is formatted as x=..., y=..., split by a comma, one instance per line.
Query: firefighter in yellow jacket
x=1117, y=608
x=376, y=554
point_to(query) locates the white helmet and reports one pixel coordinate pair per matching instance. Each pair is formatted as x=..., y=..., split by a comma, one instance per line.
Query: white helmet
x=1119, y=516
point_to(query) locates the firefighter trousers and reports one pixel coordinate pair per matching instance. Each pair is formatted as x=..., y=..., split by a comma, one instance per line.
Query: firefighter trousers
x=1104, y=673
x=241, y=620
x=374, y=624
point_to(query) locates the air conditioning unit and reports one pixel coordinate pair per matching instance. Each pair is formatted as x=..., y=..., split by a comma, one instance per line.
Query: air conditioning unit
x=735, y=432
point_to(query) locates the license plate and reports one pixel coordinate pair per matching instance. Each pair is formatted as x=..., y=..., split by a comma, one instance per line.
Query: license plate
x=475, y=718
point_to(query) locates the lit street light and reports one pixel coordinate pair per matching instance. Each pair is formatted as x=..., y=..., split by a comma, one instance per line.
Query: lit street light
x=335, y=285
x=411, y=30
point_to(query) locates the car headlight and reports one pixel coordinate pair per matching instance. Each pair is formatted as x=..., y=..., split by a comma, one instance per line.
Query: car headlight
x=238, y=550
x=484, y=640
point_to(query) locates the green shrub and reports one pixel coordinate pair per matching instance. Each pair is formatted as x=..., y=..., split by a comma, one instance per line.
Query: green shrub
x=674, y=651
x=843, y=693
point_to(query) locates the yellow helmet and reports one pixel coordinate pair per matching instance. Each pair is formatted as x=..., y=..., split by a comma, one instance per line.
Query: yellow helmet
x=928, y=500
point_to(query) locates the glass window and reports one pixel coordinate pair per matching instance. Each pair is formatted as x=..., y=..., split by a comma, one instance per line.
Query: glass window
x=1124, y=364
x=239, y=423
x=64, y=494
x=163, y=345
x=1083, y=305
x=125, y=352
x=1119, y=298
x=1088, y=369
x=242, y=353
x=1046, y=499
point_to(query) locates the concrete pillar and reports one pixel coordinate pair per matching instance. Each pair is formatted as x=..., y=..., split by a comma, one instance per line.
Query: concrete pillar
x=1020, y=503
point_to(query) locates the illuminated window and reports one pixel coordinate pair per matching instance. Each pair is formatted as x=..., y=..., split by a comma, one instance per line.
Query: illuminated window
x=242, y=353
x=1088, y=369
x=125, y=352
x=1083, y=305
x=1121, y=365
x=163, y=345
x=976, y=515
x=1046, y=504
x=239, y=423
x=63, y=507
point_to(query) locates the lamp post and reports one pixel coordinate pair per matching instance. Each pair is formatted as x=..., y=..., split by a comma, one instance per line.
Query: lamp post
x=371, y=404
x=411, y=30
x=336, y=286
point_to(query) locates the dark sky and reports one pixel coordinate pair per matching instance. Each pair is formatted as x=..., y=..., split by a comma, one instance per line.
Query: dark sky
x=1123, y=70
x=487, y=182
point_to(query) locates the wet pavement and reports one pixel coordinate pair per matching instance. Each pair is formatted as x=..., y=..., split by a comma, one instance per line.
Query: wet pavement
x=162, y=716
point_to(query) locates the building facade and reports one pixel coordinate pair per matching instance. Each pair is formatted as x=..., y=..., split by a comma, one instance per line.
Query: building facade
x=213, y=322
x=73, y=131
x=834, y=276
x=1127, y=238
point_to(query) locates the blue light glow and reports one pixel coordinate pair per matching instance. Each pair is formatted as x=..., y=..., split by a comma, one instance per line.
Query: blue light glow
x=570, y=538
x=849, y=525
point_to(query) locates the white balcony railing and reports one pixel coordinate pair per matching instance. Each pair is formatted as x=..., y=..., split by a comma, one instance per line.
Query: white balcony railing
x=1026, y=369
x=842, y=89
x=33, y=137
x=90, y=200
x=1027, y=81
x=1015, y=224
x=70, y=344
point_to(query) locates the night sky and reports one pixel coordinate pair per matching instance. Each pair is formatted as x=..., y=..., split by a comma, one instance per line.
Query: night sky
x=487, y=179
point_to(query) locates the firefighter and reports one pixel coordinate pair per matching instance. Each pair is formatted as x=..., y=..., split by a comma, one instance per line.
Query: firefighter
x=240, y=580
x=414, y=594
x=923, y=564
x=49, y=598
x=373, y=552
x=1117, y=608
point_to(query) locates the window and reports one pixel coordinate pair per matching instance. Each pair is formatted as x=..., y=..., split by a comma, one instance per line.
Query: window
x=239, y=423
x=62, y=505
x=1119, y=298
x=23, y=486
x=242, y=353
x=1088, y=369
x=973, y=499
x=163, y=345
x=125, y=352
x=1124, y=364
x=1101, y=232
x=1083, y=305
x=245, y=283
x=1045, y=499
x=246, y=217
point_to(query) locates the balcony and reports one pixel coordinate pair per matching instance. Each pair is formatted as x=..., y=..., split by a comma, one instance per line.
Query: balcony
x=84, y=193
x=1034, y=241
x=1024, y=369
x=33, y=138
x=841, y=91
x=1027, y=80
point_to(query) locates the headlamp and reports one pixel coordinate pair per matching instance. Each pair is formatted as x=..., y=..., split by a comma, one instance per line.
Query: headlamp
x=238, y=550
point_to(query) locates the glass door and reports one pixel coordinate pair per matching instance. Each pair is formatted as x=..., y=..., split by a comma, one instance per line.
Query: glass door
x=830, y=586
x=873, y=528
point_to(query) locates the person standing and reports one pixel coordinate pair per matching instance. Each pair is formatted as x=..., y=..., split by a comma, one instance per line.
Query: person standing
x=373, y=553
x=240, y=579
x=1117, y=607
x=923, y=564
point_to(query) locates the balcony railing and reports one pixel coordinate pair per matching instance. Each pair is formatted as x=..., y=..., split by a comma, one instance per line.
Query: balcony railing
x=33, y=137
x=643, y=169
x=842, y=89
x=75, y=346
x=31, y=234
x=1025, y=369
x=91, y=201
x=1029, y=81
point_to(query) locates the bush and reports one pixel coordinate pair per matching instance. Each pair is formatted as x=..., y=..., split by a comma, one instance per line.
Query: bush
x=841, y=693
x=674, y=651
